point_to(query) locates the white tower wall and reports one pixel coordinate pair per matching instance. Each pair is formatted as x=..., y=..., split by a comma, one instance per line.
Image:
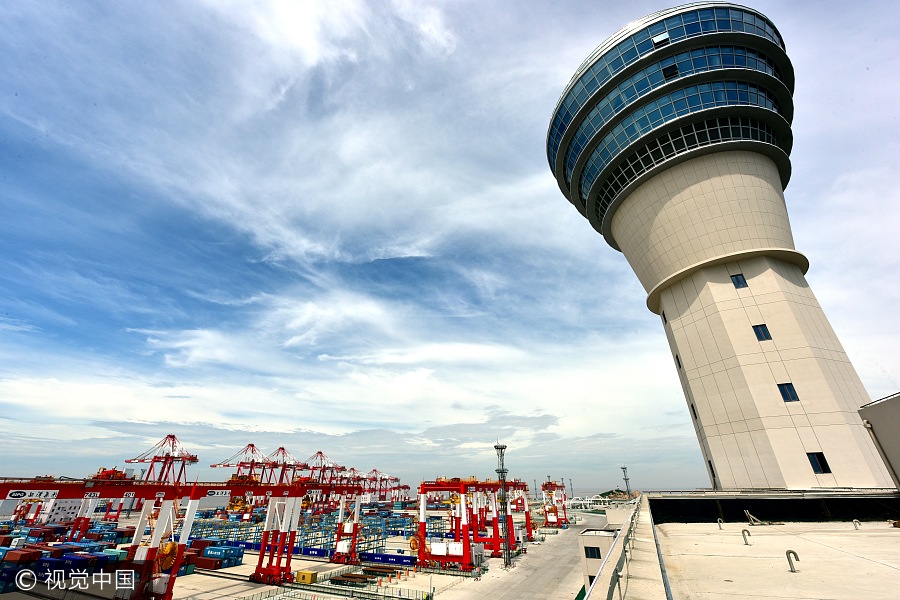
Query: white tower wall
x=685, y=232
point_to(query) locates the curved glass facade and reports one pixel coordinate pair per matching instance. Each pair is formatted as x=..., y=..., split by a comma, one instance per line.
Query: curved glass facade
x=687, y=24
x=668, y=108
x=669, y=69
x=679, y=141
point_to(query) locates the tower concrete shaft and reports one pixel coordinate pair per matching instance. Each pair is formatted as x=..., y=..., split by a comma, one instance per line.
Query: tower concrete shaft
x=686, y=233
x=672, y=139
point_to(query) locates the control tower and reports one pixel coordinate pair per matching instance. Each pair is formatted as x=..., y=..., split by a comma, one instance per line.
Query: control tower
x=673, y=140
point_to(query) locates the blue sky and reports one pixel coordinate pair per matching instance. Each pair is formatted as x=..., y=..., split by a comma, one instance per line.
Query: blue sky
x=331, y=226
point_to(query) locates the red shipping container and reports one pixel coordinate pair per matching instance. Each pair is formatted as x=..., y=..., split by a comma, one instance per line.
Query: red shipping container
x=190, y=557
x=21, y=556
x=205, y=562
x=55, y=551
x=201, y=544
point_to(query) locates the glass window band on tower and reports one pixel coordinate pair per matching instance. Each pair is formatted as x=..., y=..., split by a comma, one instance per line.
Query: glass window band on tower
x=688, y=24
x=668, y=108
x=690, y=62
x=678, y=67
x=680, y=141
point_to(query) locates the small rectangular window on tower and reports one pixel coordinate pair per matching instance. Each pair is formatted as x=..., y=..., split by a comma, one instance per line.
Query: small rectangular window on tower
x=762, y=332
x=739, y=281
x=592, y=552
x=677, y=361
x=788, y=393
x=661, y=40
x=818, y=462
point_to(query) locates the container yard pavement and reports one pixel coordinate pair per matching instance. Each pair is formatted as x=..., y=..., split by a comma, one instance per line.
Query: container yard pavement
x=549, y=570
x=836, y=561
x=211, y=585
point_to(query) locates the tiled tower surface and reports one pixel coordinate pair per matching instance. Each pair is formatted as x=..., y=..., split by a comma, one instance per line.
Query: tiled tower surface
x=672, y=139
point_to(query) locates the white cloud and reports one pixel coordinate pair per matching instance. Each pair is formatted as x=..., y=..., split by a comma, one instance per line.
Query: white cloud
x=306, y=322
x=430, y=23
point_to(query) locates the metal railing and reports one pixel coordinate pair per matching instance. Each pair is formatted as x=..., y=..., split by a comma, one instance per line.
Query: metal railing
x=277, y=593
x=815, y=493
x=613, y=573
x=659, y=556
x=323, y=589
x=316, y=592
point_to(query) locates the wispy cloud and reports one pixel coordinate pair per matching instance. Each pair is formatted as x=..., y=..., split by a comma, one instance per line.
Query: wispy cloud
x=7, y=324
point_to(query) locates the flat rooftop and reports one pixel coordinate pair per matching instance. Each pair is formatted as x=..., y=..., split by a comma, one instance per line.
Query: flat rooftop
x=835, y=560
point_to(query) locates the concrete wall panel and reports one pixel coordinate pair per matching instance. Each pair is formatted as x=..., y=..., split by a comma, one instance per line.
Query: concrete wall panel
x=676, y=228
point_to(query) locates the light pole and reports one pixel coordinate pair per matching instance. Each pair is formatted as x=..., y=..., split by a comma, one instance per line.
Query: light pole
x=501, y=475
x=627, y=486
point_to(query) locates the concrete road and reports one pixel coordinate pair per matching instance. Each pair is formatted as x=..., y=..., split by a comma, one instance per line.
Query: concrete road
x=550, y=570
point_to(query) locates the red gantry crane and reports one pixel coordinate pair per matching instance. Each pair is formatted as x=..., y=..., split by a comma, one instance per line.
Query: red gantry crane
x=356, y=477
x=400, y=492
x=284, y=467
x=252, y=466
x=515, y=488
x=554, y=500
x=381, y=485
x=325, y=472
x=483, y=500
x=156, y=560
x=168, y=460
x=322, y=468
x=113, y=474
x=347, y=531
x=468, y=508
x=251, y=463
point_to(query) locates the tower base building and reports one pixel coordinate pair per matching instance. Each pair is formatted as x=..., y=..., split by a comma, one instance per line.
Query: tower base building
x=673, y=139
